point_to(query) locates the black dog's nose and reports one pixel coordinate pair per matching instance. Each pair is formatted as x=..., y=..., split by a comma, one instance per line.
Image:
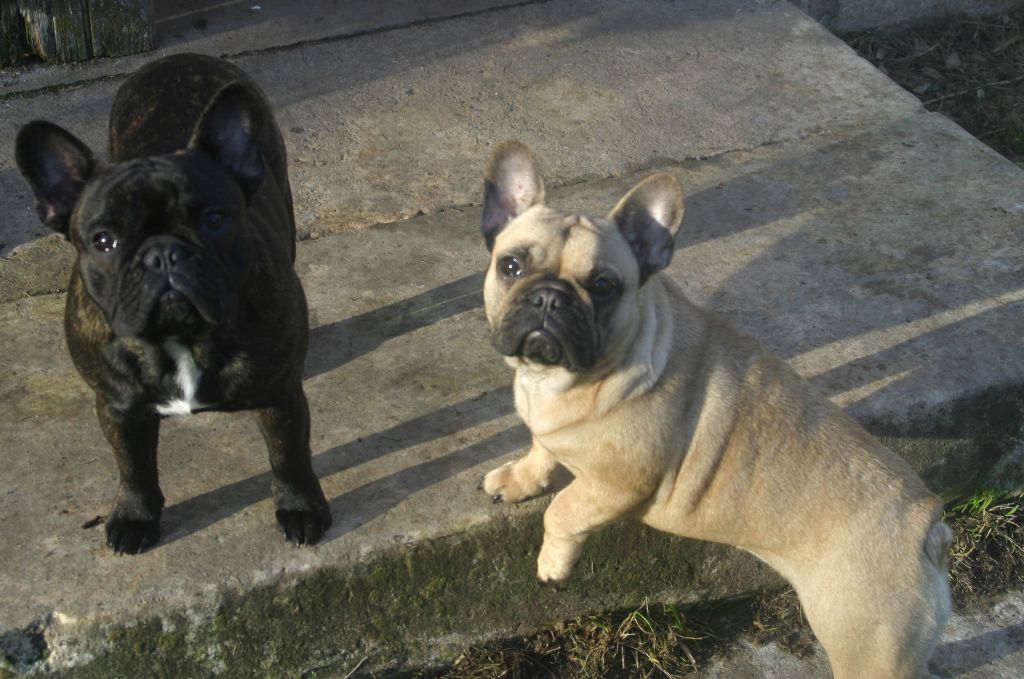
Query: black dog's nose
x=547, y=299
x=165, y=256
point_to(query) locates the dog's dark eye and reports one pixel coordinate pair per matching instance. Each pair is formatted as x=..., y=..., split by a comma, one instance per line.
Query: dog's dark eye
x=104, y=241
x=214, y=220
x=602, y=288
x=510, y=267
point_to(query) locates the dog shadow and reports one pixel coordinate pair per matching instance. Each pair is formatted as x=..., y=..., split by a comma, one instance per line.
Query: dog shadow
x=335, y=344
x=958, y=658
x=360, y=505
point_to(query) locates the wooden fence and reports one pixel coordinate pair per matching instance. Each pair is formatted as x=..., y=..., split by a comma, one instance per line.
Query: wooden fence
x=73, y=30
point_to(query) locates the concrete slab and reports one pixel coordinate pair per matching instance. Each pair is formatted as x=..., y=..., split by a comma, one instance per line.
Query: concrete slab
x=223, y=28
x=386, y=125
x=814, y=246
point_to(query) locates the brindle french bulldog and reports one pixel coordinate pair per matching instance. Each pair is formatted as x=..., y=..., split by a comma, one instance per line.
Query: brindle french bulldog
x=183, y=297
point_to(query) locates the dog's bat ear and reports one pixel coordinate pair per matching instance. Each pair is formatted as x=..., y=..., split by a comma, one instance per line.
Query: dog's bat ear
x=56, y=164
x=231, y=130
x=649, y=217
x=512, y=185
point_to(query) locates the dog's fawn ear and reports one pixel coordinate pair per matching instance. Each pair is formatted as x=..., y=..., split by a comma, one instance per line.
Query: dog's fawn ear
x=512, y=185
x=56, y=164
x=231, y=130
x=649, y=217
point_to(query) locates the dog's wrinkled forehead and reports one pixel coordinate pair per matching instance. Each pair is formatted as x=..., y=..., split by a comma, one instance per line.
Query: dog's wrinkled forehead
x=134, y=188
x=568, y=244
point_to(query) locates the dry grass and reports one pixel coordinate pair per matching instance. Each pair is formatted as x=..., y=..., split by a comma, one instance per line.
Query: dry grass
x=969, y=69
x=659, y=640
x=988, y=555
x=651, y=641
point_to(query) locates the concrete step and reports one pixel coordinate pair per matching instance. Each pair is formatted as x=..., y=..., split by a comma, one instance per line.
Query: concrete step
x=389, y=124
x=876, y=247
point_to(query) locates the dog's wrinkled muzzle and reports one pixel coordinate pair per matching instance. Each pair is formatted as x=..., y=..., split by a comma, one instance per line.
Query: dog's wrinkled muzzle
x=169, y=290
x=549, y=325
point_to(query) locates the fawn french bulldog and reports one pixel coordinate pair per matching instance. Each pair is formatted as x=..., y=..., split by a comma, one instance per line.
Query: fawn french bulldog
x=664, y=413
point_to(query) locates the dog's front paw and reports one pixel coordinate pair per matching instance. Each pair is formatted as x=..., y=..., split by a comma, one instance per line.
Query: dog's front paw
x=514, y=482
x=554, y=566
x=303, y=527
x=134, y=523
x=131, y=536
x=303, y=515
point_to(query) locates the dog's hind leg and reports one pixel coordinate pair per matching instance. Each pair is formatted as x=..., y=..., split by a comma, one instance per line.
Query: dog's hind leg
x=879, y=617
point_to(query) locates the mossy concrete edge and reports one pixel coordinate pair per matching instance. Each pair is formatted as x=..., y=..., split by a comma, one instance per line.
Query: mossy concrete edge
x=414, y=605
x=964, y=446
x=417, y=604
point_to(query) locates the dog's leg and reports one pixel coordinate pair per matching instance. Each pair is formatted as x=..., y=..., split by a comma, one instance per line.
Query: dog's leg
x=577, y=511
x=134, y=523
x=876, y=619
x=523, y=478
x=302, y=510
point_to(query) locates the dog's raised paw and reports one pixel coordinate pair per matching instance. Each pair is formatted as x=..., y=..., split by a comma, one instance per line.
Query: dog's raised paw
x=511, y=482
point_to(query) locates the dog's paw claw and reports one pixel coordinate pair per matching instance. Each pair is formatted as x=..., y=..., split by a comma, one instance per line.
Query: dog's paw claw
x=126, y=536
x=302, y=527
x=512, y=483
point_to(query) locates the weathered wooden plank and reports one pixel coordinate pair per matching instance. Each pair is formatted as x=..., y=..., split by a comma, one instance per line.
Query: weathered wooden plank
x=12, y=33
x=74, y=30
x=38, y=28
x=120, y=27
x=70, y=30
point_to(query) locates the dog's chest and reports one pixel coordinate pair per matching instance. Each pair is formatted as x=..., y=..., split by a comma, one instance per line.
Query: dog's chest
x=186, y=382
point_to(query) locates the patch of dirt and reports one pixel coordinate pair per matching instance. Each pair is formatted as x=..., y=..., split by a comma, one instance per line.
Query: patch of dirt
x=972, y=70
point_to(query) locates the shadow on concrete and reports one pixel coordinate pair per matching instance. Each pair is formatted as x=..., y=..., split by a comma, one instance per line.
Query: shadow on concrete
x=920, y=362
x=356, y=507
x=24, y=226
x=335, y=344
x=970, y=654
x=359, y=506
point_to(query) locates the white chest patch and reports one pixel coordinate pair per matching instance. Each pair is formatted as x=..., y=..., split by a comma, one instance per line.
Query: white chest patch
x=187, y=379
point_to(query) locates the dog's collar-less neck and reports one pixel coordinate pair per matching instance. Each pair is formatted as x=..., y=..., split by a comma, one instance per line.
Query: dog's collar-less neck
x=187, y=378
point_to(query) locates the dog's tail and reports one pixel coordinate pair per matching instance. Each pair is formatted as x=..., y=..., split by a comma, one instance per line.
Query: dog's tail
x=937, y=544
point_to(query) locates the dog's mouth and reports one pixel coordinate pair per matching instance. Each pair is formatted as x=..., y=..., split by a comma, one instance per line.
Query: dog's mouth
x=540, y=346
x=178, y=304
x=173, y=313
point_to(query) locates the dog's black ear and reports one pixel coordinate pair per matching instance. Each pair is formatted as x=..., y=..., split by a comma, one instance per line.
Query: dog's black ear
x=231, y=130
x=56, y=164
x=649, y=217
x=511, y=186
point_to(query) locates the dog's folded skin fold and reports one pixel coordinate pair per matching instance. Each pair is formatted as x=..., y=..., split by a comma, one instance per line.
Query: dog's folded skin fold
x=691, y=427
x=184, y=296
